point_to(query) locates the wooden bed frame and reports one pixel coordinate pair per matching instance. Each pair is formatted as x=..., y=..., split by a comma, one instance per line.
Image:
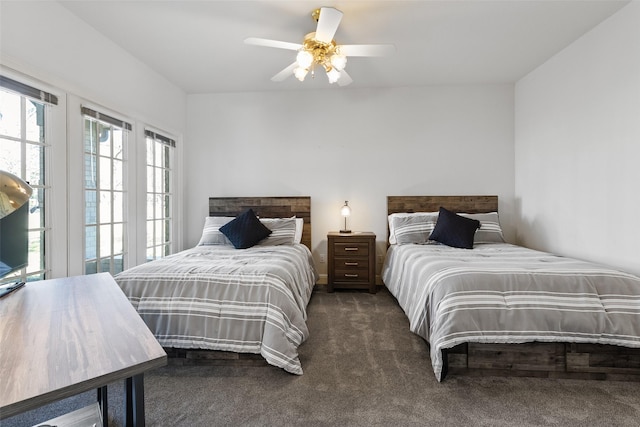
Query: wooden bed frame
x=264, y=207
x=537, y=359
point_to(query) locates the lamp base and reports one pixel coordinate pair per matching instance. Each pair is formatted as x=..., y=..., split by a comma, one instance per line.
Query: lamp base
x=345, y=231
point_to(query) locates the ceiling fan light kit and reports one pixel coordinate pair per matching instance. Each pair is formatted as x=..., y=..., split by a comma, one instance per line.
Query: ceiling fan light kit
x=319, y=49
x=316, y=53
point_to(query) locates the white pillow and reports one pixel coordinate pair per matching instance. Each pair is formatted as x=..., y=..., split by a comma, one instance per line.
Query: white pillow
x=299, y=228
x=283, y=231
x=490, y=230
x=412, y=227
x=211, y=234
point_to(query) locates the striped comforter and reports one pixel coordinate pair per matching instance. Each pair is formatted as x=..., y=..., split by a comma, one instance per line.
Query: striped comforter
x=221, y=298
x=501, y=293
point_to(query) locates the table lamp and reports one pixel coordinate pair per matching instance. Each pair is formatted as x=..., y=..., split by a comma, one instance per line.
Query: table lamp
x=345, y=211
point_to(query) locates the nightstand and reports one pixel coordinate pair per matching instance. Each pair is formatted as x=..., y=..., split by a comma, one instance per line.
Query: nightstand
x=352, y=260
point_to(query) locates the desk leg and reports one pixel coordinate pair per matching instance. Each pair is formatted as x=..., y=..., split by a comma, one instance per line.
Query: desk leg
x=104, y=406
x=134, y=401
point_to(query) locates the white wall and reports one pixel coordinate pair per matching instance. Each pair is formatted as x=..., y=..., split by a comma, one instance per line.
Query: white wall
x=356, y=145
x=577, y=146
x=46, y=41
x=41, y=40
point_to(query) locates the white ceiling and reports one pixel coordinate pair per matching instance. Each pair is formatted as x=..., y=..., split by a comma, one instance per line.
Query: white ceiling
x=198, y=45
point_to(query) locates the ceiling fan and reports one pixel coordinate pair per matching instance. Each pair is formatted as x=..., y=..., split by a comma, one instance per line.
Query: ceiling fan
x=319, y=49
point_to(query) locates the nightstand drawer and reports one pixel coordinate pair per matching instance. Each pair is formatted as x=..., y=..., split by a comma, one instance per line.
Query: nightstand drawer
x=351, y=263
x=351, y=275
x=351, y=249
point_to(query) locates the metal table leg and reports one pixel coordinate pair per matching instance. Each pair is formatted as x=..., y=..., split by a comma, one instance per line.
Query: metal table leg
x=104, y=405
x=134, y=401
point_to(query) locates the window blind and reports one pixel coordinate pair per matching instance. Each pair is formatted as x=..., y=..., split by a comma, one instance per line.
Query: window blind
x=27, y=90
x=105, y=118
x=161, y=138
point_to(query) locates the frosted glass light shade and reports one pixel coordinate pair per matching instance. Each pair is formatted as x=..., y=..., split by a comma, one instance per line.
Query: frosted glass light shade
x=333, y=75
x=338, y=62
x=304, y=59
x=345, y=210
x=300, y=73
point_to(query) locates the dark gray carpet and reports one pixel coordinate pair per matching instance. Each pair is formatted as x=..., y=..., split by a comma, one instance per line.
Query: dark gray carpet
x=362, y=367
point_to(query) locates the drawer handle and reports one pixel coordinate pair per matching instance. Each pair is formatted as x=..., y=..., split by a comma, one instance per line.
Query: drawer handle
x=350, y=249
x=350, y=275
x=355, y=264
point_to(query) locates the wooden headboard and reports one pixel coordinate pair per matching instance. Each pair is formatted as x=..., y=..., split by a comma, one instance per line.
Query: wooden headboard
x=267, y=207
x=468, y=204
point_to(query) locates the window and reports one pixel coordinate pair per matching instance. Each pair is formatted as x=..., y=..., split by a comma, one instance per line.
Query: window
x=24, y=126
x=159, y=194
x=105, y=140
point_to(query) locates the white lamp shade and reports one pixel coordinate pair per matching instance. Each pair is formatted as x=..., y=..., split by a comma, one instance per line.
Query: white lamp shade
x=333, y=75
x=345, y=210
x=300, y=73
x=304, y=59
x=338, y=61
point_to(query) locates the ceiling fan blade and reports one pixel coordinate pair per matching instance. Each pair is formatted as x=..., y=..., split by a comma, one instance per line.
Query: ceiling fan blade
x=328, y=22
x=367, y=49
x=344, y=79
x=284, y=73
x=272, y=43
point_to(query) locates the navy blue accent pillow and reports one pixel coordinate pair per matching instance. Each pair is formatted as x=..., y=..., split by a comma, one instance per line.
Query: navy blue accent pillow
x=245, y=230
x=454, y=230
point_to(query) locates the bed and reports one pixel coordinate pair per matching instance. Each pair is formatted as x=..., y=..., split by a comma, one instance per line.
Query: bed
x=501, y=309
x=247, y=300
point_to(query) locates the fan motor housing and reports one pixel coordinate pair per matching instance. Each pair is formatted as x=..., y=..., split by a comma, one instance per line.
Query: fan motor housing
x=321, y=51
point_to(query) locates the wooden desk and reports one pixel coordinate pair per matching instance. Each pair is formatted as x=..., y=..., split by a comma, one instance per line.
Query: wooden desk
x=62, y=337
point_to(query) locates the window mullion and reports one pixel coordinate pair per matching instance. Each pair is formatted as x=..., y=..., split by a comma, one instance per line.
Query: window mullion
x=23, y=137
x=111, y=200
